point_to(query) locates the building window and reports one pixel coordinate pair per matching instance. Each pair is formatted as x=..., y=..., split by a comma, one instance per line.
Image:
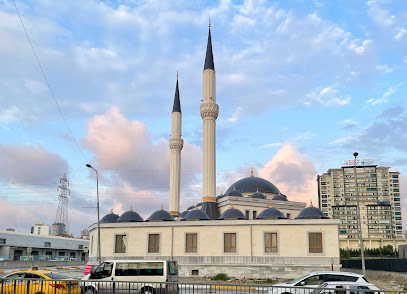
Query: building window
x=2, y=241
x=120, y=244
x=247, y=214
x=288, y=215
x=254, y=214
x=153, y=243
x=270, y=243
x=191, y=244
x=315, y=243
x=229, y=243
x=80, y=247
x=47, y=244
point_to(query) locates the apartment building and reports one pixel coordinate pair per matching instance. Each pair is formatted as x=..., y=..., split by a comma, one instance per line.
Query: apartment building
x=378, y=192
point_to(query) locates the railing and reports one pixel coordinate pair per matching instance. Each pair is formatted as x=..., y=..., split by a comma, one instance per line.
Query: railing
x=42, y=286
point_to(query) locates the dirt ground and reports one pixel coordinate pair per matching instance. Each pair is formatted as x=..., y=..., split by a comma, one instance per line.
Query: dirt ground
x=383, y=281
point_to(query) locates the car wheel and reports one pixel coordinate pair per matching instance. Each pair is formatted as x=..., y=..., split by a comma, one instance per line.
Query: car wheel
x=89, y=290
x=39, y=293
x=147, y=290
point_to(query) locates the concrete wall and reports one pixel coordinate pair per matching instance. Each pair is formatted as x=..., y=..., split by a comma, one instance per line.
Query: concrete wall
x=17, y=264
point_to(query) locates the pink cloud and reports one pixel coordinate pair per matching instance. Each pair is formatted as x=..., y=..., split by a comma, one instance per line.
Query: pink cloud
x=23, y=163
x=293, y=174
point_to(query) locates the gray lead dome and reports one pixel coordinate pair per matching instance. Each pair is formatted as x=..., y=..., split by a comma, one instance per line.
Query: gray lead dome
x=196, y=214
x=311, y=213
x=160, y=215
x=271, y=213
x=232, y=213
x=130, y=216
x=280, y=197
x=109, y=218
x=251, y=184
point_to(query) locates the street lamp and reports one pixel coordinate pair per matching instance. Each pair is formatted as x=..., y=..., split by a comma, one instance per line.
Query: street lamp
x=97, y=195
x=362, y=253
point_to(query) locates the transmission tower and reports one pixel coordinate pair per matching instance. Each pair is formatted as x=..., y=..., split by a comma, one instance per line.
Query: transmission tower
x=61, y=225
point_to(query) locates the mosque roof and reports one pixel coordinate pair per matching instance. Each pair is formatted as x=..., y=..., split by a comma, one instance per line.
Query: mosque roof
x=280, y=197
x=220, y=196
x=177, y=103
x=109, y=218
x=160, y=215
x=258, y=195
x=311, y=213
x=252, y=184
x=271, y=213
x=130, y=216
x=196, y=214
x=183, y=214
x=232, y=213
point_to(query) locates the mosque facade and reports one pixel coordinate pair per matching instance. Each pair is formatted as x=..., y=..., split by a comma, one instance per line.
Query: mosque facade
x=252, y=230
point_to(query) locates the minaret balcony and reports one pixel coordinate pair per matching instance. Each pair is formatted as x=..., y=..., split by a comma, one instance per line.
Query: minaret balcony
x=176, y=144
x=209, y=111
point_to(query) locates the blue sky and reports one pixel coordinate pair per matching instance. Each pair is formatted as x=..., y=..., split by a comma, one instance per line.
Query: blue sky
x=301, y=85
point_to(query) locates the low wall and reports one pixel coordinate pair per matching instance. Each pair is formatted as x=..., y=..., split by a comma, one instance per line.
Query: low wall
x=18, y=264
x=374, y=273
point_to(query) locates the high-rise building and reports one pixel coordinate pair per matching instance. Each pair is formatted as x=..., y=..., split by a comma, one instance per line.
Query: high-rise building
x=40, y=229
x=377, y=190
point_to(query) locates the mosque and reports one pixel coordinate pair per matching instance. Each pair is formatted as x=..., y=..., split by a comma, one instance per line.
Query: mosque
x=252, y=230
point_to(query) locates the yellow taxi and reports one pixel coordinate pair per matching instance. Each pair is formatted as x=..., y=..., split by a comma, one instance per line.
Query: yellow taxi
x=38, y=282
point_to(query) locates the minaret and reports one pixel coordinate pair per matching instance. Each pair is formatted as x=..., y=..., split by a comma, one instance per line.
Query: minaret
x=209, y=112
x=176, y=144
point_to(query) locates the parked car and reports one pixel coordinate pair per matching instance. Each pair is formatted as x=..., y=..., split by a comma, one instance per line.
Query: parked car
x=38, y=282
x=3, y=258
x=310, y=282
x=346, y=288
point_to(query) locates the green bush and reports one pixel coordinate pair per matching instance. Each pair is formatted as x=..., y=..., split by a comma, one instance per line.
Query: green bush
x=220, y=277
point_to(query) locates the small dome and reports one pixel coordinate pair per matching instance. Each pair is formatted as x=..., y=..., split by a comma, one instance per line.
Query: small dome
x=271, y=213
x=280, y=197
x=258, y=195
x=235, y=193
x=109, y=218
x=183, y=214
x=311, y=213
x=219, y=197
x=251, y=184
x=196, y=214
x=160, y=215
x=232, y=213
x=191, y=207
x=130, y=216
x=199, y=204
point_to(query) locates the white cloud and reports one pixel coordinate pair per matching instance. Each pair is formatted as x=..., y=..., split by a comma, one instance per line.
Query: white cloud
x=400, y=34
x=379, y=15
x=270, y=145
x=359, y=49
x=385, y=97
x=384, y=68
x=327, y=96
x=236, y=116
x=344, y=139
x=348, y=122
x=99, y=59
x=304, y=136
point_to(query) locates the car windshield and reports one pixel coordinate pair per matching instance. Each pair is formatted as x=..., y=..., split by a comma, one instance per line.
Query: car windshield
x=56, y=276
x=299, y=279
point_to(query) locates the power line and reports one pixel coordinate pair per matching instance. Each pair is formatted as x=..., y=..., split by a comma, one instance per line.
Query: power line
x=46, y=80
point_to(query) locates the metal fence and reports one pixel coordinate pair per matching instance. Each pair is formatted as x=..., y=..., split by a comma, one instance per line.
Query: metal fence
x=390, y=265
x=41, y=286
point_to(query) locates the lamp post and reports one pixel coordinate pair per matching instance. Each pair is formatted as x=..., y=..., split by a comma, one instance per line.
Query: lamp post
x=362, y=253
x=97, y=195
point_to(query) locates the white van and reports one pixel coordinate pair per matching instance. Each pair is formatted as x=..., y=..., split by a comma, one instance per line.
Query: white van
x=133, y=276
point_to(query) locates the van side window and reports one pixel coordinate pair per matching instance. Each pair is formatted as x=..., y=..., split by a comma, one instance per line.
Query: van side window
x=126, y=269
x=151, y=269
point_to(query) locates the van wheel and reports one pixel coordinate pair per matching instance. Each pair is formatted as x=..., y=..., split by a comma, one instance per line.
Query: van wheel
x=147, y=290
x=89, y=290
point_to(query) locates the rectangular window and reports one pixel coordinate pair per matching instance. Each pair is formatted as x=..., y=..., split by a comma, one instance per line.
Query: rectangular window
x=254, y=214
x=270, y=243
x=120, y=244
x=191, y=245
x=80, y=247
x=153, y=243
x=315, y=243
x=247, y=214
x=47, y=244
x=288, y=215
x=229, y=245
x=151, y=268
x=2, y=241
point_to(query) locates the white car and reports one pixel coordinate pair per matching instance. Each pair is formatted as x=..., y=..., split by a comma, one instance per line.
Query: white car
x=346, y=288
x=310, y=282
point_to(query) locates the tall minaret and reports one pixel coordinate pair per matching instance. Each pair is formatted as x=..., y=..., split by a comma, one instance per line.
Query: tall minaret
x=176, y=144
x=209, y=112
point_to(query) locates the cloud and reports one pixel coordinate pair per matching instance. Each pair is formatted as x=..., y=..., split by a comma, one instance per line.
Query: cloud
x=400, y=35
x=384, y=68
x=236, y=116
x=348, y=124
x=385, y=97
x=99, y=59
x=292, y=173
x=270, y=145
x=341, y=140
x=379, y=15
x=23, y=163
x=327, y=97
x=126, y=147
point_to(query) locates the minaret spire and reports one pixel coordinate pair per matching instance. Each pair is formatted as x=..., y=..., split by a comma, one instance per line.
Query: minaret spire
x=209, y=56
x=176, y=143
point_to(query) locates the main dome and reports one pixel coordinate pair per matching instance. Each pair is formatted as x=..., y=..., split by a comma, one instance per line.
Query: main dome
x=251, y=184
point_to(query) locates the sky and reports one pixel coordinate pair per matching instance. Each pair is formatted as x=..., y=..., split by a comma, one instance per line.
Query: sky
x=301, y=86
